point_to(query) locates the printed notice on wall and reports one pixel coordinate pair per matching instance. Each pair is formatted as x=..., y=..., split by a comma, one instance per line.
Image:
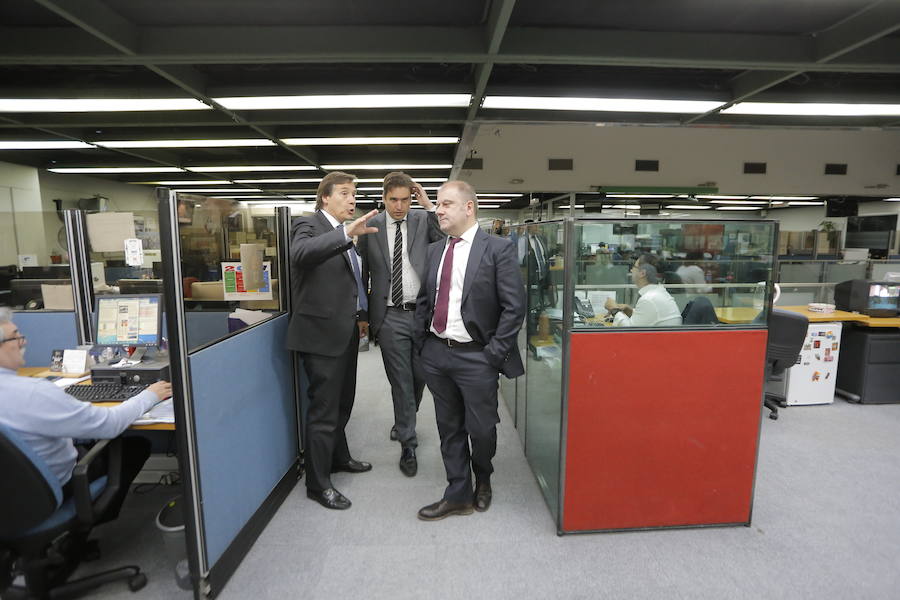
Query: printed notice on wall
x=233, y=283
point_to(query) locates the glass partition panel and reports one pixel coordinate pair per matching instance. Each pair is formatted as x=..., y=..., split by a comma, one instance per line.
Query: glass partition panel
x=701, y=273
x=809, y=271
x=544, y=269
x=880, y=269
x=229, y=263
x=34, y=269
x=835, y=272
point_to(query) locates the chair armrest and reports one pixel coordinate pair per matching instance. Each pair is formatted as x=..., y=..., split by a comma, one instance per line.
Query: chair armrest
x=84, y=504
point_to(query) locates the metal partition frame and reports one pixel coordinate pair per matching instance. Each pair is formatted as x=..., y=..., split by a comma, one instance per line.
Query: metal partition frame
x=80, y=274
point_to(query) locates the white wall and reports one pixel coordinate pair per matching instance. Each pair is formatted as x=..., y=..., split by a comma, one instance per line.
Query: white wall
x=21, y=220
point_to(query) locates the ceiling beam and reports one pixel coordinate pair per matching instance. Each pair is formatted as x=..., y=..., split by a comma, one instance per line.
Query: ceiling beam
x=864, y=27
x=495, y=29
x=101, y=22
x=530, y=45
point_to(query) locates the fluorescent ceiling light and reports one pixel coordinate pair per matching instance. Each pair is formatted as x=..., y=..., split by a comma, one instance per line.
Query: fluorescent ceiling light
x=739, y=201
x=806, y=203
x=783, y=197
x=117, y=170
x=492, y=195
x=48, y=145
x=717, y=197
x=245, y=168
x=689, y=206
x=345, y=101
x=417, y=180
x=639, y=195
x=626, y=206
x=891, y=199
x=186, y=143
x=213, y=190
x=383, y=167
x=815, y=109
x=600, y=104
x=30, y=105
x=363, y=141
x=576, y=206
x=269, y=197
x=301, y=195
x=738, y=208
x=277, y=180
x=185, y=182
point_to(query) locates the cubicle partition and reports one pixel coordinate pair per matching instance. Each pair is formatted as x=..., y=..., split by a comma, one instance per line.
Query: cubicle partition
x=646, y=425
x=235, y=395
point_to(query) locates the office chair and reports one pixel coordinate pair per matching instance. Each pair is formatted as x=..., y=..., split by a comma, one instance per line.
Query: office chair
x=699, y=311
x=671, y=277
x=44, y=537
x=787, y=331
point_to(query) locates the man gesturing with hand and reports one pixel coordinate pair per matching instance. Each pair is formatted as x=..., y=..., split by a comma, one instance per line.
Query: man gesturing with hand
x=330, y=314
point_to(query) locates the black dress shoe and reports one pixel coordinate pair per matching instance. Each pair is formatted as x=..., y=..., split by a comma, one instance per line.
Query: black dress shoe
x=352, y=466
x=394, y=435
x=330, y=498
x=442, y=509
x=483, y=495
x=408, y=463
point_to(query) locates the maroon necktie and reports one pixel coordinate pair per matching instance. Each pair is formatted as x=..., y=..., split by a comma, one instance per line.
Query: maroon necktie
x=443, y=298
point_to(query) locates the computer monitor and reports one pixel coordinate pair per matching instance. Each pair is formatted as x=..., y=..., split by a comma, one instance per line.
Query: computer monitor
x=129, y=320
x=873, y=298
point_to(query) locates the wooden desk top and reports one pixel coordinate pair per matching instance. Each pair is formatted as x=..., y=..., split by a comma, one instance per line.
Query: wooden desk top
x=817, y=317
x=38, y=372
x=737, y=314
x=868, y=321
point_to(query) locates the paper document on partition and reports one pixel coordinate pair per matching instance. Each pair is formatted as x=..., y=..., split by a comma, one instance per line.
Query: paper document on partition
x=164, y=412
x=598, y=300
x=108, y=231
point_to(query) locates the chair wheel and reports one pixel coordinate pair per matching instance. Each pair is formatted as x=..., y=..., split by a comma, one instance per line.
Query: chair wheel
x=137, y=582
x=774, y=416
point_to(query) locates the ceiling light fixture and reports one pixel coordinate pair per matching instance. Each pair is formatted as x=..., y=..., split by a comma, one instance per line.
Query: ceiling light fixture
x=229, y=197
x=277, y=180
x=813, y=109
x=345, y=101
x=368, y=141
x=718, y=197
x=235, y=143
x=87, y=170
x=650, y=196
x=246, y=168
x=42, y=105
x=627, y=206
x=891, y=199
x=393, y=167
x=492, y=195
x=600, y=104
x=739, y=201
x=43, y=145
x=301, y=195
x=184, y=182
x=213, y=190
x=689, y=206
x=783, y=198
x=739, y=208
x=806, y=203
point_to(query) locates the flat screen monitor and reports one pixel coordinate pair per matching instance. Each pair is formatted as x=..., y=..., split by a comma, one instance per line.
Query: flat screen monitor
x=129, y=320
x=883, y=298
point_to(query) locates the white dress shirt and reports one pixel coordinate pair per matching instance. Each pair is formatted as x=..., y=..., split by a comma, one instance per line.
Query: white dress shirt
x=351, y=253
x=456, y=330
x=694, y=274
x=411, y=281
x=654, y=308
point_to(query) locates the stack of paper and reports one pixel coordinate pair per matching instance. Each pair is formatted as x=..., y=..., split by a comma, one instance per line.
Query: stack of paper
x=164, y=412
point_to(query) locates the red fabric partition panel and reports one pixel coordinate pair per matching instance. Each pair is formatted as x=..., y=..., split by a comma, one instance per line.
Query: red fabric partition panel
x=663, y=428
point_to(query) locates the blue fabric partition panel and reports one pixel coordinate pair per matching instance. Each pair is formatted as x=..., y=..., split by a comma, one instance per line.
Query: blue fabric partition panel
x=46, y=331
x=243, y=404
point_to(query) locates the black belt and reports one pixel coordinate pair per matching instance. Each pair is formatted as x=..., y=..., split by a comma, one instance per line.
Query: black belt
x=404, y=306
x=458, y=345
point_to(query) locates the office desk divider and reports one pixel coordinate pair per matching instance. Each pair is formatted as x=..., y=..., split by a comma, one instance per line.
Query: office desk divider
x=235, y=392
x=650, y=426
x=46, y=330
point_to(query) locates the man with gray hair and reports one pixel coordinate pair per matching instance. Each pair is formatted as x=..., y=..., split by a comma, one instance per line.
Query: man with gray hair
x=47, y=418
x=654, y=308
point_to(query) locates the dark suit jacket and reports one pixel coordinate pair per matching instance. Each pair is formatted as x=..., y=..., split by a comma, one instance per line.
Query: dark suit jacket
x=493, y=299
x=323, y=288
x=421, y=229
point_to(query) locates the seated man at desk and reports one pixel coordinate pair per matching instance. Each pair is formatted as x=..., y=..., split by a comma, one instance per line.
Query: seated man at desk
x=47, y=418
x=654, y=308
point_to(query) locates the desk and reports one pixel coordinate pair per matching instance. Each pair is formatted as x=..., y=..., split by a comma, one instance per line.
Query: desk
x=818, y=317
x=37, y=371
x=737, y=314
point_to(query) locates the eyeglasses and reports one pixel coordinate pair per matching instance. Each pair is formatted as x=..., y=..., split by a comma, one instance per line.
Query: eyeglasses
x=21, y=339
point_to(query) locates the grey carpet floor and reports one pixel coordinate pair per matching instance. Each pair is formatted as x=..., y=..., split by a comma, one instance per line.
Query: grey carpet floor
x=826, y=524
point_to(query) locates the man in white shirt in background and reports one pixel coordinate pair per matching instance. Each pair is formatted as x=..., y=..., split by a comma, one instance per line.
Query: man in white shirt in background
x=47, y=418
x=654, y=308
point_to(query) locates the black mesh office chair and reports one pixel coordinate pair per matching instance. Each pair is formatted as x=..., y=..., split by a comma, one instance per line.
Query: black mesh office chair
x=699, y=311
x=44, y=537
x=787, y=331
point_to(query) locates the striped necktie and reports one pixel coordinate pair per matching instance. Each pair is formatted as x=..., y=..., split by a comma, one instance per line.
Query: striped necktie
x=397, y=267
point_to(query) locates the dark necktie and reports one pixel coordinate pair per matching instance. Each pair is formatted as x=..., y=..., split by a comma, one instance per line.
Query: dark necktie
x=442, y=305
x=397, y=268
x=361, y=300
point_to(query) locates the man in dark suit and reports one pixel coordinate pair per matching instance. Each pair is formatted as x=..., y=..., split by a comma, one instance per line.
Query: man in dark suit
x=329, y=315
x=394, y=260
x=468, y=315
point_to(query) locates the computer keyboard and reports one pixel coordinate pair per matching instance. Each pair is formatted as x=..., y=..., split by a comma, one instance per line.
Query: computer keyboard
x=104, y=392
